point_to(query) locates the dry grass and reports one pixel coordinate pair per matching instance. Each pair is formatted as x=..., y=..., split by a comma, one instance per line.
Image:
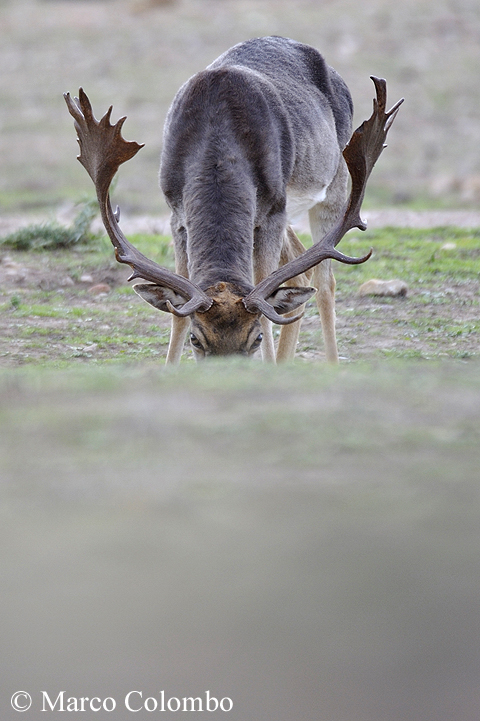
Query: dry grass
x=135, y=55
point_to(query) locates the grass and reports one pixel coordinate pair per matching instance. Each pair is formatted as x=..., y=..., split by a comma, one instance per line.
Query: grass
x=251, y=419
x=52, y=235
x=46, y=322
x=439, y=317
x=421, y=257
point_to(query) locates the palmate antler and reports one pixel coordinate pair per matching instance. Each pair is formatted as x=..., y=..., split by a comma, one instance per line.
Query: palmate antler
x=361, y=154
x=102, y=151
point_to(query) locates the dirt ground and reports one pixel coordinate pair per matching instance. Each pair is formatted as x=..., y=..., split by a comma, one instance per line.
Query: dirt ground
x=131, y=224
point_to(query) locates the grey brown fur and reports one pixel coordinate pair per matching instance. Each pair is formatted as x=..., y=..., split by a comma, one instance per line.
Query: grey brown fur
x=265, y=122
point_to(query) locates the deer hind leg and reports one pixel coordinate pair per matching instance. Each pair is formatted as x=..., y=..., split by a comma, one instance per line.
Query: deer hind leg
x=324, y=281
x=287, y=343
x=322, y=218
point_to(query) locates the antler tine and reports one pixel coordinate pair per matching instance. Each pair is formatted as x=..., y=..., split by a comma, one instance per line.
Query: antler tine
x=102, y=151
x=361, y=154
x=264, y=307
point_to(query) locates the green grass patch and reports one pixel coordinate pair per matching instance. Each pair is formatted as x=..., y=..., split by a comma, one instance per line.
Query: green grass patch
x=420, y=257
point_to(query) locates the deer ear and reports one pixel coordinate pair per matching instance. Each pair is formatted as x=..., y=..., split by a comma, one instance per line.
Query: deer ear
x=286, y=299
x=158, y=295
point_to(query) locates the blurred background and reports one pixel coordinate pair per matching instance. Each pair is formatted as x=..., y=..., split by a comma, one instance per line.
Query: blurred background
x=135, y=54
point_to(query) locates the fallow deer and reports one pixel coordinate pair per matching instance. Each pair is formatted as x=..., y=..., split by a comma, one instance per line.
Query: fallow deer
x=258, y=137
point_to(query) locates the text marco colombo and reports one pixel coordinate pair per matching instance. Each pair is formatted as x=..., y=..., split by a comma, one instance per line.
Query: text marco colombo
x=134, y=701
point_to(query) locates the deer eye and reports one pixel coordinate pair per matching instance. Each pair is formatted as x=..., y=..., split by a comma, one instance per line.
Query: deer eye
x=257, y=341
x=195, y=342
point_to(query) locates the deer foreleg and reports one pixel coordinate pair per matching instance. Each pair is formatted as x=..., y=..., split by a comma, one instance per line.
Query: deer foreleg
x=266, y=258
x=177, y=339
x=268, y=346
x=288, y=340
x=180, y=325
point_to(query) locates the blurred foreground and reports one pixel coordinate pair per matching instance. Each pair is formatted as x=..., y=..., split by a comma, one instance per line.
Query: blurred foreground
x=301, y=540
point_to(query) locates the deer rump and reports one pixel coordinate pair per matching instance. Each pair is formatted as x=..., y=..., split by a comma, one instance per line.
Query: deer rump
x=257, y=136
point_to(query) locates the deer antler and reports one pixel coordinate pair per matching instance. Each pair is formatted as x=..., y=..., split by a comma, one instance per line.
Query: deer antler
x=102, y=151
x=361, y=154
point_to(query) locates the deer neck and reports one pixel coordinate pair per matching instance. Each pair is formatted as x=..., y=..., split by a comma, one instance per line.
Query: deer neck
x=219, y=204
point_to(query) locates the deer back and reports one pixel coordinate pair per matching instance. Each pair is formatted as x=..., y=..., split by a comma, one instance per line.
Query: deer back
x=267, y=119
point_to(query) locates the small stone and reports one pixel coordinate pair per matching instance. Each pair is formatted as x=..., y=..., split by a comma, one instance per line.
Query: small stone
x=8, y=262
x=17, y=274
x=99, y=288
x=392, y=287
x=86, y=278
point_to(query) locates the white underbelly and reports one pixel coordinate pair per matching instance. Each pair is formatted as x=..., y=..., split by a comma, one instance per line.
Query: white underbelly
x=300, y=203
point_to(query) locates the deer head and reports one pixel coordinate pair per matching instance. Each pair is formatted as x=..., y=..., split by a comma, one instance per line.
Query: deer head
x=226, y=327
